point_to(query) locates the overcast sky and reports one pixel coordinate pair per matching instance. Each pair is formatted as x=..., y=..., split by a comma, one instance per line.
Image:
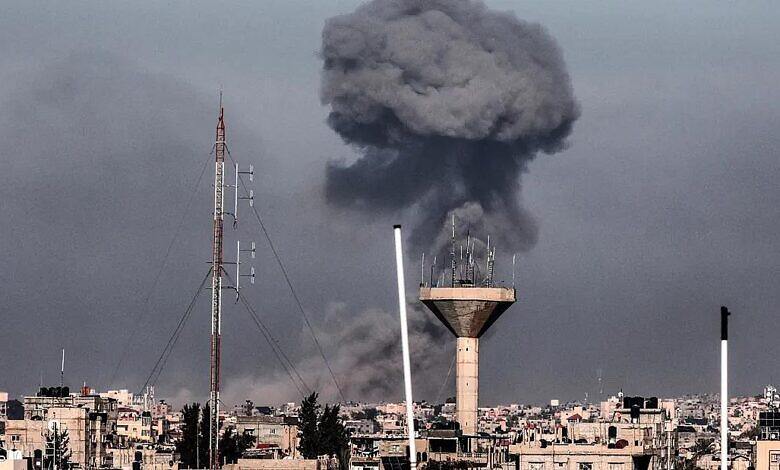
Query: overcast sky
x=664, y=206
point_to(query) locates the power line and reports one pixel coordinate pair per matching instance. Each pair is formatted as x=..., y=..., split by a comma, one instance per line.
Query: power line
x=278, y=352
x=145, y=304
x=292, y=289
x=446, y=379
x=166, y=352
x=281, y=356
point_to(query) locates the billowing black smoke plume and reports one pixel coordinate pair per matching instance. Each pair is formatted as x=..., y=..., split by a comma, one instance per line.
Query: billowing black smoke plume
x=447, y=102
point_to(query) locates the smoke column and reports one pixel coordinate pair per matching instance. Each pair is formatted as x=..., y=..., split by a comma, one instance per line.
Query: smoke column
x=447, y=102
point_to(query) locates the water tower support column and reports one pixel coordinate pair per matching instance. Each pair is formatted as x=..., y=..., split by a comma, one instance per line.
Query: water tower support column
x=467, y=384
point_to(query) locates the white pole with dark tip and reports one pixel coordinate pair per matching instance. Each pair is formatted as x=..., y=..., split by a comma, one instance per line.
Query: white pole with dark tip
x=399, y=262
x=724, y=388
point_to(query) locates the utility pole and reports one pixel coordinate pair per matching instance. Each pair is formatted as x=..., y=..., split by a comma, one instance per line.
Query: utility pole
x=216, y=289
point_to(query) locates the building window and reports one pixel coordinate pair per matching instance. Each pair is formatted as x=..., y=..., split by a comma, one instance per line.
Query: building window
x=585, y=466
x=615, y=466
x=536, y=466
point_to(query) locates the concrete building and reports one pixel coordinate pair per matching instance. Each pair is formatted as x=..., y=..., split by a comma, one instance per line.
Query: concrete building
x=88, y=434
x=581, y=457
x=133, y=426
x=767, y=454
x=150, y=459
x=3, y=405
x=89, y=420
x=270, y=431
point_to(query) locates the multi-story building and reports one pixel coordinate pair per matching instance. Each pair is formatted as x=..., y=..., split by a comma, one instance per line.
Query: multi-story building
x=767, y=454
x=636, y=434
x=271, y=432
x=134, y=426
x=89, y=420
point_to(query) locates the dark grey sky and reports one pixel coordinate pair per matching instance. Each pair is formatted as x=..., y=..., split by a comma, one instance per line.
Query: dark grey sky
x=664, y=206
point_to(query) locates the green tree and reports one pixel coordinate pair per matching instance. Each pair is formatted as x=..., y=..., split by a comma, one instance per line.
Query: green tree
x=333, y=436
x=187, y=446
x=310, y=433
x=233, y=445
x=701, y=448
x=57, y=449
x=323, y=433
x=203, y=438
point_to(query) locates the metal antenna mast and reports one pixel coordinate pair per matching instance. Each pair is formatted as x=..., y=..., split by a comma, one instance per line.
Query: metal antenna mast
x=217, y=271
x=216, y=289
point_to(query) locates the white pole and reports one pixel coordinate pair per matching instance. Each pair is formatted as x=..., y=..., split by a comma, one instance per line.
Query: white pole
x=724, y=408
x=724, y=389
x=399, y=262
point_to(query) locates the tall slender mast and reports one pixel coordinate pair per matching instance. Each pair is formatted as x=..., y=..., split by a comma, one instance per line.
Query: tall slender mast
x=724, y=388
x=216, y=290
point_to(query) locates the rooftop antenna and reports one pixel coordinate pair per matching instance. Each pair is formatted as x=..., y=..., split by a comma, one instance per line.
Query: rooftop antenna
x=491, y=263
x=452, y=251
x=433, y=269
x=472, y=275
x=468, y=254
x=514, y=255
x=487, y=260
x=601, y=385
x=62, y=369
x=460, y=263
x=422, y=271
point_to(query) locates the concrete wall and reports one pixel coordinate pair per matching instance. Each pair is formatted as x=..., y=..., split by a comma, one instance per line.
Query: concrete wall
x=277, y=464
x=13, y=464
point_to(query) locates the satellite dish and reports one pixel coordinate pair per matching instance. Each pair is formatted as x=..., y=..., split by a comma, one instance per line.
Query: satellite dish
x=53, y=425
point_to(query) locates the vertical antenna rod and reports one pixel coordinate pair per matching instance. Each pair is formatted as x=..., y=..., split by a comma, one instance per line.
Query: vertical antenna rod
x=724, y=388
x=452, y=251
x=216, y=290
x=62, y=369
x=422, y=271
x=399, y=262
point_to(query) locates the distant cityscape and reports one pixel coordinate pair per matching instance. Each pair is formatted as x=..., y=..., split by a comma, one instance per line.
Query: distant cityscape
x=120, y=429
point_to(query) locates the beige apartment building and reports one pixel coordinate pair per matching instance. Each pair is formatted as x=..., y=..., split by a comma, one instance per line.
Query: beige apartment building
x=767, y=454
x=86, y=434
x=270, y=431
x=133, y=426
x=89, y=420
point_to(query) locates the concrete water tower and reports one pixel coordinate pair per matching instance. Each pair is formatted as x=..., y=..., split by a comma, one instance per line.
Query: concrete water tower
x=468, y=304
